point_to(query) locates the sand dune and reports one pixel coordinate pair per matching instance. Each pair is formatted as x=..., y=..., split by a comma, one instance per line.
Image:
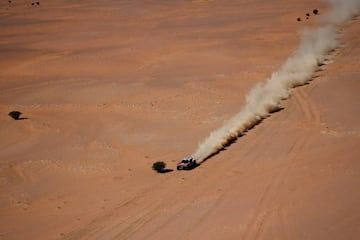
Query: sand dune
x=110, y=87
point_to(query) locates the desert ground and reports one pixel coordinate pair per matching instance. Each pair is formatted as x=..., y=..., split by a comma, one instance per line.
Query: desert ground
x=107, y=88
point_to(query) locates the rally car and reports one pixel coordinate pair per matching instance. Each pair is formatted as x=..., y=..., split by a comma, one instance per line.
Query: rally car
x=186, y=164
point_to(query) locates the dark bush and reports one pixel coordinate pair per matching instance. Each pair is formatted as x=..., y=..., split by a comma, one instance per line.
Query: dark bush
x=316, y=11
x=15, y=115
x=159, y=166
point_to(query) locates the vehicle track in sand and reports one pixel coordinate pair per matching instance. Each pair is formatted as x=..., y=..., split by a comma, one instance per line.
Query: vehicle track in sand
x=126, y=219
x=267, y=210
x=266, y=207
x=123, y=220
x=307, y=106
x=258, y=227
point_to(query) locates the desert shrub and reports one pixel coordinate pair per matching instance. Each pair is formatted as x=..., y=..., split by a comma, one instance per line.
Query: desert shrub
x=15, y=114
x=159, y=166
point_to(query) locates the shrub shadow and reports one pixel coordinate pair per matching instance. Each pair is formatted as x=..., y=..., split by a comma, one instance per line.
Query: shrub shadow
x=165, y=170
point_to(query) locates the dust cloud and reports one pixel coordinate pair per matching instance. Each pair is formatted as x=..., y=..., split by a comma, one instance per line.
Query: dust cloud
x=314, y=51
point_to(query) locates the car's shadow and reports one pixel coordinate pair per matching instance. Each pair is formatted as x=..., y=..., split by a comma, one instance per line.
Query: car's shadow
x=190, y=168
x=194, y=166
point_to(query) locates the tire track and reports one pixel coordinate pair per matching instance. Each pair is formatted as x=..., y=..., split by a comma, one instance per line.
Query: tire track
x=129, y=217
x=112, y=225
x=307, y=106
x=264, y=208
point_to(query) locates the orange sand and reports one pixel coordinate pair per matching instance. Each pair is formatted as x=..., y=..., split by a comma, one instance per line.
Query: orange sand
x=109, y=87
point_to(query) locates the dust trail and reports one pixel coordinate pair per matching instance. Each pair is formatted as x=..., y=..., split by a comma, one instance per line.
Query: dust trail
x=298, y=69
